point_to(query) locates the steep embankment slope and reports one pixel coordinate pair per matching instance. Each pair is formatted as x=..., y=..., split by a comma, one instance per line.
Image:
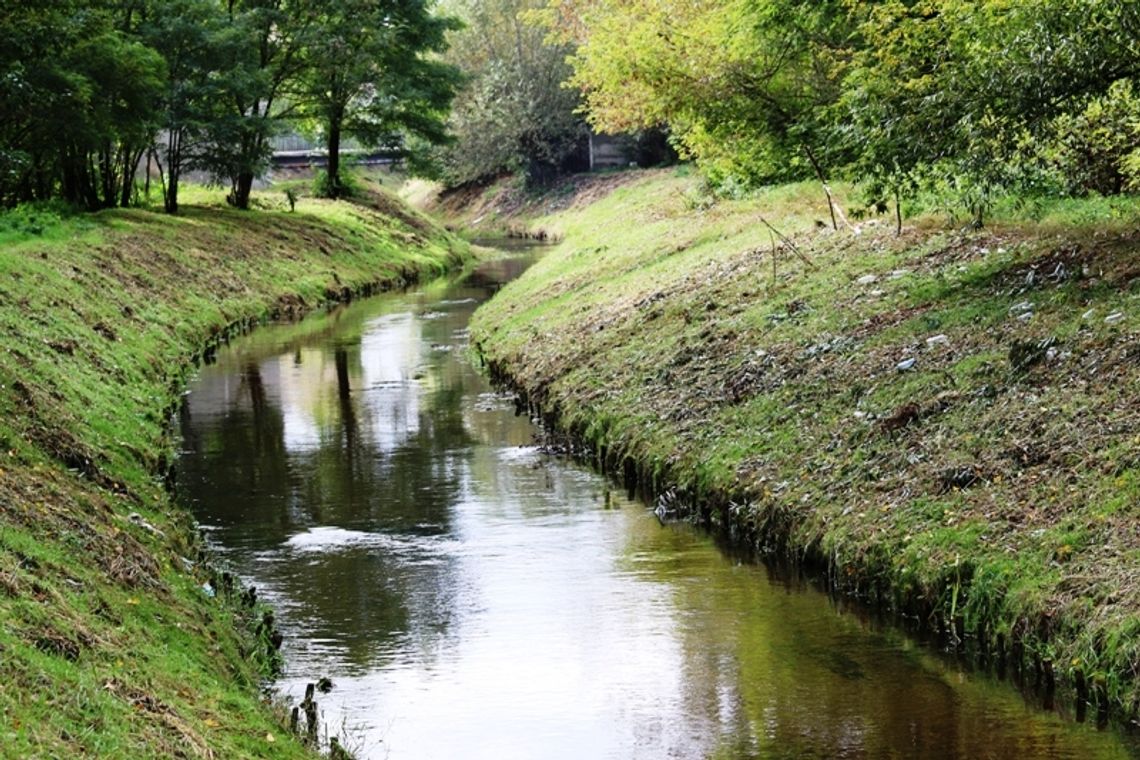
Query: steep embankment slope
x=109, y=646
x=946, y=421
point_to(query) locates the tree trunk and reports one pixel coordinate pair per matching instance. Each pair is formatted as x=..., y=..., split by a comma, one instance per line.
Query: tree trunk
x=172, y=194
x=173, y=169
x=107, y=175
x=250, y=146
x=130, y=170
x=333, y=169
x=242, y=189
x=90, y=190
x=347, y=413
x=126, y=171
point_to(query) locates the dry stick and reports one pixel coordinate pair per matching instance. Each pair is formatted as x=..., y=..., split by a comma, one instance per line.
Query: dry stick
x=837, y=208
x=788, y=242
x=773, y=239
x=833, y=207
x=898, y=214
x=823, y=181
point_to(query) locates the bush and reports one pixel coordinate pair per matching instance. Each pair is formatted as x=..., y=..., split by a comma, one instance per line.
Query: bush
x=33, y=220
x=1097, y=149
x=350, y=184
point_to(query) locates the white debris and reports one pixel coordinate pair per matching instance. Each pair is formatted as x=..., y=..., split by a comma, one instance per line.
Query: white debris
x=140, y=521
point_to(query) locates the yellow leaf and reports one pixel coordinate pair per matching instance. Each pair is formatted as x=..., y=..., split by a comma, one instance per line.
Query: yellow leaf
x=269, y=738
x=211, y=723
x=132, y=601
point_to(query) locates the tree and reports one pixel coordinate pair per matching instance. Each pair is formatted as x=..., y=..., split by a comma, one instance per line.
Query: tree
x=127, y=79
x=263, y=64
x=513, y=113
x=77, y=91
x=951, y=92
x=745, y=86
x=370, y=73
x=196, y=43
x=1097, y=148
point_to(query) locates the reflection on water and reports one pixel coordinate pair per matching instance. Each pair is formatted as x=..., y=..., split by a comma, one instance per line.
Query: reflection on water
x=471, y=597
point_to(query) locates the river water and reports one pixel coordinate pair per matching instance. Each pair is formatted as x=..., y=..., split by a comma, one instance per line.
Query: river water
x=472, y=597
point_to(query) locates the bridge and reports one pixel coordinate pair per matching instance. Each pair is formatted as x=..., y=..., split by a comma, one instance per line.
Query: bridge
x=293, y=151
x=307, y=159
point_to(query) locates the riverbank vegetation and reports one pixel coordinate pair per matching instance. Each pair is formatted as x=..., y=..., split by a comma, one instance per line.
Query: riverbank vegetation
x=939, y=419
x=969, y=103
x=118, y=638
x=98, y=97
x=969, y=99
x=512, y=115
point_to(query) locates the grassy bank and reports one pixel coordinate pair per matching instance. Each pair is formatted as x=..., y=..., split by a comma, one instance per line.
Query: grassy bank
x=945, y=420
x=109, y=645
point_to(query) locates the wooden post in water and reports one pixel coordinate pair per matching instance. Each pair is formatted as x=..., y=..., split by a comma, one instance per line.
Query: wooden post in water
x=1050, y=683
x=1100, y=684
x=1000, y=655
x=1082, y=695
x=310, y=708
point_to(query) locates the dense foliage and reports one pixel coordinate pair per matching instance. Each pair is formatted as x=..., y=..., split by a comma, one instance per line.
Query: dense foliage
x=93, y=93
x=366, y=75
x=970, y=98
x=513, y=114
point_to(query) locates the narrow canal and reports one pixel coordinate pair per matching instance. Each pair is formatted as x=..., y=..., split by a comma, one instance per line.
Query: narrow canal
x=471, y=597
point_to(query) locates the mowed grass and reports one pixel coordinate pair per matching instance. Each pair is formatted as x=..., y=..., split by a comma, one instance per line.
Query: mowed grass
x=945, y=420
x=109, y=647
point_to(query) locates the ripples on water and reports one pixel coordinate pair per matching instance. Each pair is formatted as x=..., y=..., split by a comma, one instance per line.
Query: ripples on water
x=471, y=597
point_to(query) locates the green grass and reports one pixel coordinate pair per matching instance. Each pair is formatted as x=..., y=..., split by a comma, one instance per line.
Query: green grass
x=979, y=493
x=109, y=647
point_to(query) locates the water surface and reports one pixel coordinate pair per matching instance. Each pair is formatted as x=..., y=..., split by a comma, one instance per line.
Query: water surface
x=471, y=597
